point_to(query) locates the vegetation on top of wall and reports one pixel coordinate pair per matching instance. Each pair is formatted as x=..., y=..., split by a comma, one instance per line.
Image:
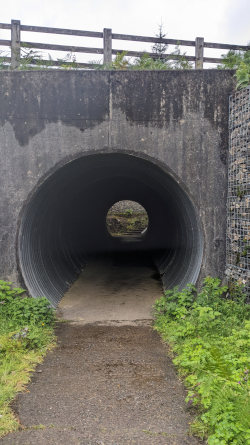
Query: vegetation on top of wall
x=145, y=62
x=26, y=334
x=239, y=61
x=208, y=332
x=32, y=60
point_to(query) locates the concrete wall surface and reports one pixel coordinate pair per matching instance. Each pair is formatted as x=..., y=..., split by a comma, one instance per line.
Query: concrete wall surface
x=176, y=121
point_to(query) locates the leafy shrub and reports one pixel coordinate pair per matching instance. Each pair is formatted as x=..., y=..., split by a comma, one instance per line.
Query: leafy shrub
x=20, y=310
x=25, y=335
x=209, y=334
x=240, y=61
x=145, y=62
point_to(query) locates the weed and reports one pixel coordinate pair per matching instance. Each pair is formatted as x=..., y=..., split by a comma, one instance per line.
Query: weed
x=208, y=332
x=240, y=193
x=26, y=333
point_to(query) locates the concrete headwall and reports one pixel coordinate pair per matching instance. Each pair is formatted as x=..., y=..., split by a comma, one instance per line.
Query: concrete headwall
x=176, y=120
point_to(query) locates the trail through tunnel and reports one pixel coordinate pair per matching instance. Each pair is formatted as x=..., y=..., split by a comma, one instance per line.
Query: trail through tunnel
x=65, y=222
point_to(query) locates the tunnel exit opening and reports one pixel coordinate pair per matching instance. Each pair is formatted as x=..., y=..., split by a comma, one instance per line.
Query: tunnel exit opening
x=127, y=221
x=65, y=222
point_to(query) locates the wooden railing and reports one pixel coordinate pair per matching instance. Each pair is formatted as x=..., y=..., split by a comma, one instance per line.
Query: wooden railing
x=16, y=44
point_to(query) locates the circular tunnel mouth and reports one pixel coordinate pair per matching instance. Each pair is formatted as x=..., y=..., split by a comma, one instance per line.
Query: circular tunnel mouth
x=64, y=222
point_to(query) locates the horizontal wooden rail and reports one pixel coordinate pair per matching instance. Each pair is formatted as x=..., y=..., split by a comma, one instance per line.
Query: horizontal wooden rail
x=106, y=50
x=67, y=48
x=5, y=42
x=52, y=63
x=5, y=26
x=153, y=40
x=226, y=46
x=69, y=32
x=44, y=29
x=153, y=55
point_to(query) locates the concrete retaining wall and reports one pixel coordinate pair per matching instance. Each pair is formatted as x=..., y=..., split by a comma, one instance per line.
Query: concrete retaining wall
x=176, y=120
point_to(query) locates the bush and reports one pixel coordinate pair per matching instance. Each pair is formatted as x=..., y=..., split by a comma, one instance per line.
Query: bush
x=209, y=334
x=240, y=61
x=19, y=310
x=25, y=336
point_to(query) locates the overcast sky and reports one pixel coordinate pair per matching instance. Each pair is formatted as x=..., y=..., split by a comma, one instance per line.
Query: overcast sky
x=223, y=21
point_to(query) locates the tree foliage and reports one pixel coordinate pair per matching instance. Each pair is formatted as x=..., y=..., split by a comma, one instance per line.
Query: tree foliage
x=239, y=61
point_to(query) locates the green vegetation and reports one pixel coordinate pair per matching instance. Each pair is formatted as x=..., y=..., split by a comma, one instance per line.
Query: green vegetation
x=208, y=332
x=26, y=334
x=32, y=60
x=120, y=223
x=239, y=61
x=145, y=62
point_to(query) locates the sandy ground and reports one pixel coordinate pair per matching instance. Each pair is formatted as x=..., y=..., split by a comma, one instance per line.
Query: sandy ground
x=110, y=380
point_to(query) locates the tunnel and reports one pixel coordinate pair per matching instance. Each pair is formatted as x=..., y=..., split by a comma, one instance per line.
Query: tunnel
x=64, y=222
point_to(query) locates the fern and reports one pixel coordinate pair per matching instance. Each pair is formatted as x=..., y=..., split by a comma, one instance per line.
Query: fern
x=209, y=333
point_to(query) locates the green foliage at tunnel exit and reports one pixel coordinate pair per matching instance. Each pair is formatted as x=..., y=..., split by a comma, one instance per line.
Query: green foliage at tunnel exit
x=208, y=333
x=26, y=334
x=123, y=223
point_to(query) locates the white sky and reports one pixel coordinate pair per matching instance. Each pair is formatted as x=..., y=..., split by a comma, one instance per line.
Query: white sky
x=223, y=21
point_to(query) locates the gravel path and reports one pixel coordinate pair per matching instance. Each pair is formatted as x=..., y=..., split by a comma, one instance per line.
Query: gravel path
x=110, y=385
x=106, y=383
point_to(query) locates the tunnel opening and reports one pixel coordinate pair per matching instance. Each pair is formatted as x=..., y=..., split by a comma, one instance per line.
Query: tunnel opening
x=127, y=221
x=64, y=223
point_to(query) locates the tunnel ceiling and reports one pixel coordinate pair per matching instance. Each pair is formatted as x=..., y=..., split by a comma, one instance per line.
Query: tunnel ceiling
x=65, y=222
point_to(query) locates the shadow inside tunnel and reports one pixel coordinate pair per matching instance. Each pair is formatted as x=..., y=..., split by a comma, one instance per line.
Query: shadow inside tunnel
x=118, y=287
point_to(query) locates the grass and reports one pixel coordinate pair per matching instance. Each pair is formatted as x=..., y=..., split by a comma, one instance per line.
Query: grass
x=208, y=333
x=26, y=335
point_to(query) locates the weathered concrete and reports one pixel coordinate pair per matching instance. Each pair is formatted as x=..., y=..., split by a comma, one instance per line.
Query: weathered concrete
x=176, y=121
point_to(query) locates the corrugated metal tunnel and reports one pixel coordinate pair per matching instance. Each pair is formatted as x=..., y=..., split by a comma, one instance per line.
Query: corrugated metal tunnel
x=65, y=221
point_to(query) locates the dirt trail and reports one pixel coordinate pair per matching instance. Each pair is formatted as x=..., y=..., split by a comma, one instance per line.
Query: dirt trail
x=105, y=383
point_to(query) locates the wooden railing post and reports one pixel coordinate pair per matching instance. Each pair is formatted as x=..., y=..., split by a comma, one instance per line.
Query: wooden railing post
x=107, y=46
x=199, y=52
x=15, y=43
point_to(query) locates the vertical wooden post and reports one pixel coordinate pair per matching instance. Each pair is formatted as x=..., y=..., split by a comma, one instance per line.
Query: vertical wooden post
x=107, y=46
x=15, y=43
x=199, y=52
